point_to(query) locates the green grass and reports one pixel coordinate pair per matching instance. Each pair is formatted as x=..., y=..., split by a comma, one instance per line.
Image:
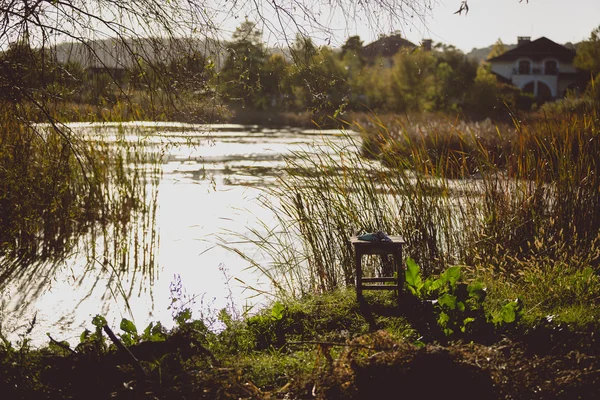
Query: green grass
x=518, y=206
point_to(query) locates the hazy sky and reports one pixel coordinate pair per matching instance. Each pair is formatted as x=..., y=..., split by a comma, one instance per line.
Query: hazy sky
x=559, y=20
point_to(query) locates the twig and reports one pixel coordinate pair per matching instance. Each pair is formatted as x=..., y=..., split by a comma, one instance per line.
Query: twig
x=134, y=361
x=61, y=345
x=337, y=344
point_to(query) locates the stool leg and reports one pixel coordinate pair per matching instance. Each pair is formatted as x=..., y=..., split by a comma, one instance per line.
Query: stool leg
x=399, y=274
x=358, y=264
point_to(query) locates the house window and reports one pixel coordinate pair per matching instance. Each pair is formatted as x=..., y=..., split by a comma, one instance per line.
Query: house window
x=551, y=67
x=524, y=67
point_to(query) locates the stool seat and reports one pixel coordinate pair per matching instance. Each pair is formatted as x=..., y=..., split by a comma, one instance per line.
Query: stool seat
x=361, y=248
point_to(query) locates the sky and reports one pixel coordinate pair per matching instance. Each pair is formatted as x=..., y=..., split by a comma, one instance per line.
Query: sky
x=489, y=20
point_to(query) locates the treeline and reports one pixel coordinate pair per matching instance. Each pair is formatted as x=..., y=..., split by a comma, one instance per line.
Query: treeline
x=304, y=77
x=321, y=79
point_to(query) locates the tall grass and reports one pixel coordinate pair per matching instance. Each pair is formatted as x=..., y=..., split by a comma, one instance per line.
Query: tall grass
x=492, y=198
x=57, y=188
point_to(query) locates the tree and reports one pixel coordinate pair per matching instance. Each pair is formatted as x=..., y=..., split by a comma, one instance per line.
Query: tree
x=588, y=53
x=192, y=70
x=454, y=77
x=484, y=94
x=275, y=82
x=241, y=74
x=413, y=80
x=497, y=49
x=353, y=45
x=318, y=76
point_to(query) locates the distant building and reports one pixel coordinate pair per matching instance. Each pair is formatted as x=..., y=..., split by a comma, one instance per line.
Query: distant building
x=385, y=48
x=541, y=67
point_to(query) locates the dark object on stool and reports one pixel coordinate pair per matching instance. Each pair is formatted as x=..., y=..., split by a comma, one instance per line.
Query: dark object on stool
x=383, y=248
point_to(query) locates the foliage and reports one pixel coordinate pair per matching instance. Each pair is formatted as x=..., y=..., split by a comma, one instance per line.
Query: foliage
x=459, y=307
x=484, y=96
x=241, y=73
x=588, y=53
x=501, y=199
x=497, y=49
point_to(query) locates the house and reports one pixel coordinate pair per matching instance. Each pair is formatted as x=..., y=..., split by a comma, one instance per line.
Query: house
x=540, y=67
x=385, y=48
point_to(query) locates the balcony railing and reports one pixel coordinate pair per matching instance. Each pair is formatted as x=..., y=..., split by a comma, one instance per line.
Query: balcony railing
x=536, y=71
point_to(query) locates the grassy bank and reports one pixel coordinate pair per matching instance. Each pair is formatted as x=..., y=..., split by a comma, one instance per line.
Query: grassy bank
x=502, y=284
x=325, y=346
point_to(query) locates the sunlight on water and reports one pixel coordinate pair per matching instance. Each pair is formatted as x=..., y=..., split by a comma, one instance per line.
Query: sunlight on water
x=206, y=189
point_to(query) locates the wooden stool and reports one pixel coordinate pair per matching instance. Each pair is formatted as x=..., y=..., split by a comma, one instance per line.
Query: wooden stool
x=361, y=248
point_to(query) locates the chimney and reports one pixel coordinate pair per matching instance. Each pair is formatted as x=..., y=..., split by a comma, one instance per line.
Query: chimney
x=426, y=44
x=523, y=40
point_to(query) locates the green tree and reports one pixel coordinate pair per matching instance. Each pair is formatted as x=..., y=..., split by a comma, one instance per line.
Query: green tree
x=240, y=77
x=588, y=58
x=497, y=49
x=588, y=53
x=275, y=82
x=26, y=72
x=454, y=77
x=353, y=45
x=318, y=76
x=413, y=79
x=192, y=71
x=484, y=94
x=371, y=88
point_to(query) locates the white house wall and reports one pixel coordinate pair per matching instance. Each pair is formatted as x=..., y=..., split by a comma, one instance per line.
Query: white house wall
x=502, y=68
x=550, y=80
x=508, y=70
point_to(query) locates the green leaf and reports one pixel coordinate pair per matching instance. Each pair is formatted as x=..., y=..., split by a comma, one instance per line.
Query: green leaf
x=128, y=326
x=432, y=285
x=154, y=333
x=183, y=316
x=147, y=332
x=413, y=276
x=84, y=336
x=508, y=314
x=452, y=275
x=277, y=311
x=99, y=321
x=511, y=312
x=447, y=300
x=477, y=291
x=127, y=339
x=443, y=319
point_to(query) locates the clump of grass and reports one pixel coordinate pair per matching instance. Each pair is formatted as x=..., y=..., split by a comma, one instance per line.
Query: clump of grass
x=57, y=188
x=511, y=203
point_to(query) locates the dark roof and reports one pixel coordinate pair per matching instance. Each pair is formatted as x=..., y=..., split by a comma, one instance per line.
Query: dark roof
x=386, y=46
x=537, y=50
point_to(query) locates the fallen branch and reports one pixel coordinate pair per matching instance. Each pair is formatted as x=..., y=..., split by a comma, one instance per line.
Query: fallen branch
x=61, y=345
x=134, y=361
x=300, y=342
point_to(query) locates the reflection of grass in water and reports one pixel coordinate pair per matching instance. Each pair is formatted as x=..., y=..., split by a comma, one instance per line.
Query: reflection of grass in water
x=57, y=188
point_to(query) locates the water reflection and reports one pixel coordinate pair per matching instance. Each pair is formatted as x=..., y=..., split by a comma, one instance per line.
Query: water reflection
x=193, y=186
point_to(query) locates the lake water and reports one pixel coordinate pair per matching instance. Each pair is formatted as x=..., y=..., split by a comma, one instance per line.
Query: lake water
x=207, y=189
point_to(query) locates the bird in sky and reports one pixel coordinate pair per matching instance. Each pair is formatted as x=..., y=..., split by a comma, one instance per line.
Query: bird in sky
x=463, y=7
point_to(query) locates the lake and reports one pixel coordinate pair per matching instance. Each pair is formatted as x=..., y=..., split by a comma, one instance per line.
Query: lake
x=206, y=182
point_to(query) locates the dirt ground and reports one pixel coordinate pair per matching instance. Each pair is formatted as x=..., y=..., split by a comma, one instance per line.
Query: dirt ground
x=377, y=367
